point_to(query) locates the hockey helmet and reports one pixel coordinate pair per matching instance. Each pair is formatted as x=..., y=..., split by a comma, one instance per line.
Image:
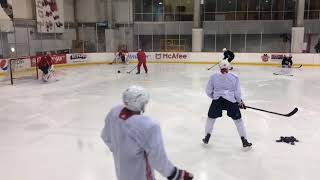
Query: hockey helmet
x=223, y=64
x=135, y=98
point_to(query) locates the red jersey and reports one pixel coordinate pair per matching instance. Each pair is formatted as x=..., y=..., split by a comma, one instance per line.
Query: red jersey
x=141, y=56
x=45, y=61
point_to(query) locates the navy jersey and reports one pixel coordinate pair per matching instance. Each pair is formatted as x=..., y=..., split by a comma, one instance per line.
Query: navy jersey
x=228, y=54
x=287, y=61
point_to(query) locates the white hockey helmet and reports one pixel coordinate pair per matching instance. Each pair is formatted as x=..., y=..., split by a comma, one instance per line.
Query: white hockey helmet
x=224, y=49
x=135, y=98
x=223, y=64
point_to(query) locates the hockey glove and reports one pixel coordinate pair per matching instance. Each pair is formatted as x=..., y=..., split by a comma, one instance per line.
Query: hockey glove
x=242, y=105
x=179, y=174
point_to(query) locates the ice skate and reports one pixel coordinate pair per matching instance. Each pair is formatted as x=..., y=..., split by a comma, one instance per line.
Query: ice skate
x=246, y=145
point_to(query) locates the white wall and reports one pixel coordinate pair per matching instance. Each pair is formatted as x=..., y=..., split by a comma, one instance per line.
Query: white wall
x=23, y=9
x=87, y=11
x=68, y=11
x=122, y=9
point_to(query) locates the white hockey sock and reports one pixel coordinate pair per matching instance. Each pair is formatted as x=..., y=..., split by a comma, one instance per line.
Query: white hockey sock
x=209, y=125
x=240, y=127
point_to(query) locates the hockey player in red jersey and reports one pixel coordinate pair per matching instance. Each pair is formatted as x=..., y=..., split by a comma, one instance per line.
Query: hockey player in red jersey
x=45, y=65
x=142, y=59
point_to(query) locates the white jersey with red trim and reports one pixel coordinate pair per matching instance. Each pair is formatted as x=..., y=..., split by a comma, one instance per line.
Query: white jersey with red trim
x=137, y=146
x=226, y=86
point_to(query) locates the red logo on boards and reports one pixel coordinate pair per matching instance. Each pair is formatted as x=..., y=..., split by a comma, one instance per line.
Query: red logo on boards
x=265, y=58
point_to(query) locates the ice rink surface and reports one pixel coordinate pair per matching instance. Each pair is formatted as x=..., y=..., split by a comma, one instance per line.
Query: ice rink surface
x=52, y=131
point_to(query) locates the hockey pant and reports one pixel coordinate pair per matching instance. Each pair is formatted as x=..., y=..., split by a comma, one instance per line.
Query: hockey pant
x=144, y=66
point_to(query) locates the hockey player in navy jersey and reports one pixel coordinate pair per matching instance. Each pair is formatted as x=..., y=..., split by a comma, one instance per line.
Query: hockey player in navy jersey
x=228, y=55
x=287, y=61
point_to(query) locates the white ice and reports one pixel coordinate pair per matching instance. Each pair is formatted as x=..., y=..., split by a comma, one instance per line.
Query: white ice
x=51, y=131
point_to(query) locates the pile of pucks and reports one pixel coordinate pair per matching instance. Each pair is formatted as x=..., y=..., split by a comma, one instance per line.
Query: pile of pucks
x=288, y=139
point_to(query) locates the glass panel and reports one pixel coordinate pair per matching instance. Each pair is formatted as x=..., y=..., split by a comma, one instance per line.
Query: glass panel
x=184, y=10
x=188, y=14
x=315, y=42
x=158, y=11
x=210, y=6
x=226, y=5
x=288, y=15
x=290, y=5
x=314, y=5
x=238, y=43
x=227, y=16
x=172, y=44
x=277, y=9
x=90, y=39
x=265, y=8
x=253, y=5
x=209, y=43
x=101, y=39
x=147, y=17
x=265, y=15
x=253, y=43
x=156, y=43
x=209, y=16
x=314, y=15
x=265, y=5
x=159, y=34
x=276, y=43
x=306, y=7
x=145, y=42
x=147, y=6
x=242, y=6
x=253, y=15
x=7, y=39
x=138, y=17
x=186, y=43
x=306, y=14
x=138, y=6
x=223, y=41
x=241, y=15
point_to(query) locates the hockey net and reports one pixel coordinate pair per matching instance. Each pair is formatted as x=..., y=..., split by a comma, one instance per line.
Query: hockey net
x=22, y=68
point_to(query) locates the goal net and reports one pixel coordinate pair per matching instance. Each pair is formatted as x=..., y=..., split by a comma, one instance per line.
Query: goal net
x=22, y=68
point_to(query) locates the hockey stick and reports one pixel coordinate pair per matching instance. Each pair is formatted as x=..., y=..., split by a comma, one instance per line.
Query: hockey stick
x=212, y=66
x=114, y=60
x=283, y=74
x=298, y=66
x=132, y=69
x=286, y=115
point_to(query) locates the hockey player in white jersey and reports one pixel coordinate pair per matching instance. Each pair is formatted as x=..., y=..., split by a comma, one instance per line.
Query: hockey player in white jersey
x=135, y=141
x=224, y=90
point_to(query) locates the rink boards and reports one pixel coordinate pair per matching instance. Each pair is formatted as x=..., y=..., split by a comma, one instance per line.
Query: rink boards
x=261, y=59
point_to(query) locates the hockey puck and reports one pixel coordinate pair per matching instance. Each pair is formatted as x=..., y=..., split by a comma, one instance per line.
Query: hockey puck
x=119, y=71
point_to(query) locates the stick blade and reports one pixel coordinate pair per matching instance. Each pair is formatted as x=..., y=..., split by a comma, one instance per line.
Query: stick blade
x=292, y=112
